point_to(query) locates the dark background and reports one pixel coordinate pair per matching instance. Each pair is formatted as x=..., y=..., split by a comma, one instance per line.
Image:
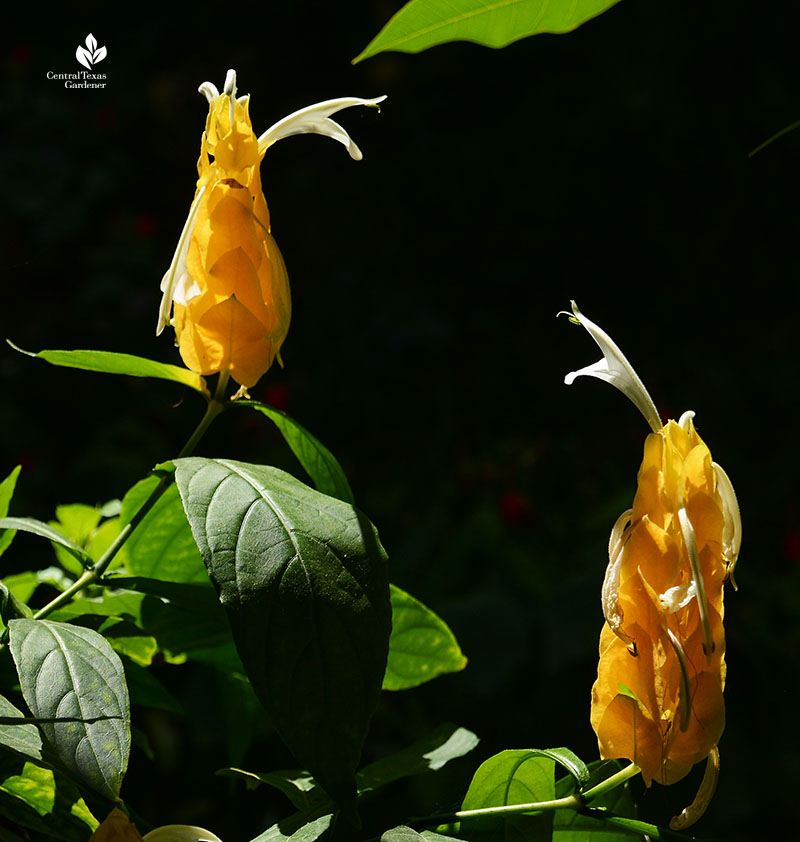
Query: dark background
x=609, y=165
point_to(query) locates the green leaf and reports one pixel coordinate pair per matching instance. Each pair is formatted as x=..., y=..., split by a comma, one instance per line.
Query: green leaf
x=298, y=786
x=569, y=760
x=110, y=362
x=319, y=463
x=303, y=826
x=24, y=739
x=70, y=672
x=32, y=796
x=572, y=826
x=302, y=577
x=7, y=487
x=36, y=527
x=402, y=834
x=511, y=777
x=421, y=24
x=446, y=743
x=82, y=525
x=421, y=645
x=162, y=546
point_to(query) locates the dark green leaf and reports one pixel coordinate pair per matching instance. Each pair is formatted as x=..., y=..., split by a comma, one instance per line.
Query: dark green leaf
x=24, y=739
x=162, y=546
x=320, y=464
x=302, y=577
x=446, y=743
x=421, y=645
x=298, y=786
x=110, y=362
x=7, y=487
x=72, y=672
x=421, y=24
x=36, y=527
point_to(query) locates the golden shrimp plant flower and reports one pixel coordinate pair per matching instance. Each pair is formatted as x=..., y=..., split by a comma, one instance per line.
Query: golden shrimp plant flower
x=657, y=700
x=226, y=291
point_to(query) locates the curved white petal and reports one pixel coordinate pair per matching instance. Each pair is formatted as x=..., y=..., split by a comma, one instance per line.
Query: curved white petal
x=315, y=119
x=615, y=369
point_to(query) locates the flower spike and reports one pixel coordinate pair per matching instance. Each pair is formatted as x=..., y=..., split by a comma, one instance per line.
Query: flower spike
x=226, y=291
x=615, y=369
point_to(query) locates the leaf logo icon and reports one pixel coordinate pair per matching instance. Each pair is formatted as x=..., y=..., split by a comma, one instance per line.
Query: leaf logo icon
x=91, y=53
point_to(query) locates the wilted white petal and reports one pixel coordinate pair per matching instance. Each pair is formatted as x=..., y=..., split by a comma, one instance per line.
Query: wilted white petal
x=684, y=697
x=673, y=599
x=690, y=540
x=315, y=119
x=732, y=526
x=180, y=833
x=610, y=592
x=615, y=369
x=177, y=284
x=705, y=793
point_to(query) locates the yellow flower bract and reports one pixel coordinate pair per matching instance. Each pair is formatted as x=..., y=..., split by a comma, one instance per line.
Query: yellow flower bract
x=658, y=696
x=235, y=315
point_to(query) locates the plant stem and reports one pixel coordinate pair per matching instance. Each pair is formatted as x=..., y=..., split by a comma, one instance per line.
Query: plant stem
x=612, y=782
x=570, y=802
x=576, y=801
x=94, y=575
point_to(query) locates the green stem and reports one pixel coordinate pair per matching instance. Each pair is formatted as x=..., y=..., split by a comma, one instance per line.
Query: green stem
x=576, y=801
x=612, y=782
x=94, y=575
x=571, y=802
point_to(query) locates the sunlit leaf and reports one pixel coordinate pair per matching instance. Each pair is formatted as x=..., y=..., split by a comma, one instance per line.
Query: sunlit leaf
x=421, y=24
x=302, y=577
x=32, y=796
x=71, y=673
x=110, y=362
x=162, y=546
x=511, y=777
x=44, y=530
x=7, y=487
x=24, y=739
x=421, y=645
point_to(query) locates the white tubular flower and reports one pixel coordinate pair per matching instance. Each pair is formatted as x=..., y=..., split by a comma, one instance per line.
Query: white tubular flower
x=316, y=119
x=615, y=369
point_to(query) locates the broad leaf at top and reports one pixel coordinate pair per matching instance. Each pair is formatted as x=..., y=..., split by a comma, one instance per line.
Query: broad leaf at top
x=72, y=674
x=303, y=579
x=421, y=24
